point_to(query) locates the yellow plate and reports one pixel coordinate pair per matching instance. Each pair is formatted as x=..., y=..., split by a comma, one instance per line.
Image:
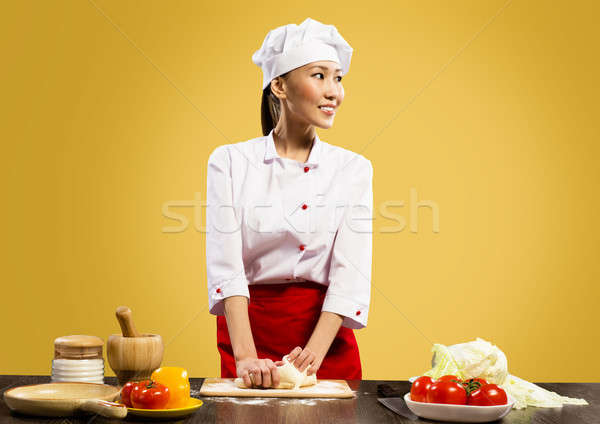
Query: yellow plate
x=192, y=406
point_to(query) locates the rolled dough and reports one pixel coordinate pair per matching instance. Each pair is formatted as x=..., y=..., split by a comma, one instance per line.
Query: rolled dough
x=289, y=377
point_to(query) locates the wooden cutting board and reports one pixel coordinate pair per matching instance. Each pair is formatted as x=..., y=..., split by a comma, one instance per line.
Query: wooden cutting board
x=323, y=389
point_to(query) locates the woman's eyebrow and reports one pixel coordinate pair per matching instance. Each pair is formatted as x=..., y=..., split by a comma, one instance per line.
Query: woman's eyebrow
x=323, y=67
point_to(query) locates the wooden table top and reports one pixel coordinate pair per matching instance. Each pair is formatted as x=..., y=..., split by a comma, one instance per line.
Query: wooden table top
x=364, y=408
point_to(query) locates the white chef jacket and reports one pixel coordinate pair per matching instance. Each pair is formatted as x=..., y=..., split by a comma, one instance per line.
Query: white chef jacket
x=276, y=220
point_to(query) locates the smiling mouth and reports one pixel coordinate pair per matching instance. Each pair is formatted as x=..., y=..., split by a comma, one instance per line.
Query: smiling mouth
x=327, y=110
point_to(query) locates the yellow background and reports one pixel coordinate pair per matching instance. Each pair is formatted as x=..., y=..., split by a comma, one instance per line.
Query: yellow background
x=488, y=110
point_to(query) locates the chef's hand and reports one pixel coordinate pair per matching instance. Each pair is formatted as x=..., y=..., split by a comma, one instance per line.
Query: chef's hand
x=303, y=358
x=258, y=372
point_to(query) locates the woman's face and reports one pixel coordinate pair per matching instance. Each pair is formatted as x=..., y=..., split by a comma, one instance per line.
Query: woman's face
x=310, y=87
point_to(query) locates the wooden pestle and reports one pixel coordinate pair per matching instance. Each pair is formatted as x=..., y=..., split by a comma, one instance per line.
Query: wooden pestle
x=126, y=322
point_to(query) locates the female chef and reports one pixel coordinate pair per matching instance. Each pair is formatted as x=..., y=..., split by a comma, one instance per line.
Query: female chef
x=289, y=222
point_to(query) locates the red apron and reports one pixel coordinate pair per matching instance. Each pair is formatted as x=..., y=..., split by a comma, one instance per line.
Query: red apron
x=283, y=316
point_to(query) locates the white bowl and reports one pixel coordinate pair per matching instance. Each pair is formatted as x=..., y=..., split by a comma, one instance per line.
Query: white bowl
x=84, y=371
x=78, y=363
x=69, y=368
x=75, y=369
x=99, y=380
x=459, y=413
x=62, y=373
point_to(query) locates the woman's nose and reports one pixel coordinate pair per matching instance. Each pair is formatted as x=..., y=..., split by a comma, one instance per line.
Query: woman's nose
x=332, y=90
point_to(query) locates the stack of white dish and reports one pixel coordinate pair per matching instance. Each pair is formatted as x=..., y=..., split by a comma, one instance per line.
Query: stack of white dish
x=80, y=370
x=78, y=358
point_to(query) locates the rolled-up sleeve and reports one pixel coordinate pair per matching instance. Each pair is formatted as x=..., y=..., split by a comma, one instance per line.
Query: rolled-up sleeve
x=224, y=263
x=349, y=290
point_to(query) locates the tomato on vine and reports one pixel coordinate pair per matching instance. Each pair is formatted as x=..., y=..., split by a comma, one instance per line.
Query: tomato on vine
x=419, y=389
x=126, y=393
x=447, y=392
x=488, y=395
x=449, y=378
x=149, y=394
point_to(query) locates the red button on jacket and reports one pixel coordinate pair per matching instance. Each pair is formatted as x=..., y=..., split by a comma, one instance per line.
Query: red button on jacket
x=301, y=247
x=306, y=168
x=218, y=290
x=357, y=312
x=304, y=206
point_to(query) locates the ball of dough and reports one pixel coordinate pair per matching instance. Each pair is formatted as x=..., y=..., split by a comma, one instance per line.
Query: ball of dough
x=289, y=377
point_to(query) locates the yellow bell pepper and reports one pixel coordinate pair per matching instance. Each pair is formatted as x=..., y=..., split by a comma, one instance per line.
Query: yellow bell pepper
x=176, y=379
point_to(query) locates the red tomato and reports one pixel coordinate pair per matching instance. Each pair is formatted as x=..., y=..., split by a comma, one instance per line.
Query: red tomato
x=449, y=378
x=419, y=389
x=488, y=395
x=447, y=392
x=126, y=393
x=149, y=394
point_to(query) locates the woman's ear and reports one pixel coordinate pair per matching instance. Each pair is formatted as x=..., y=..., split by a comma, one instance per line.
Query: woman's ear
x=278, y=87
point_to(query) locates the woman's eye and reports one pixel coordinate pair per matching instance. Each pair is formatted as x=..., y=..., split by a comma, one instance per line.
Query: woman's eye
x=320, y=73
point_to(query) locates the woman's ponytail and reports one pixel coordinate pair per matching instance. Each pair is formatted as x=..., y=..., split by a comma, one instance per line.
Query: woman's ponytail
x=270, y=109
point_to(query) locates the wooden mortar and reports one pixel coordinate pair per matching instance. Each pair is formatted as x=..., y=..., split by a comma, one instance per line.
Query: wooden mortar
x=133, y=355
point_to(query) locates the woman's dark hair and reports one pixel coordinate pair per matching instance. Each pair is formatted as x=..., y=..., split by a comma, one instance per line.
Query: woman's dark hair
x=270, y=109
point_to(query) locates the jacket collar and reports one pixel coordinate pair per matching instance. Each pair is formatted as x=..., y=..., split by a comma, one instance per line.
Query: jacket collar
x=271, y=152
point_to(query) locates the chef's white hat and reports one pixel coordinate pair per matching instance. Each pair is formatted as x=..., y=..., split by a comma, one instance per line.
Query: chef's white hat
x=291, y=46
